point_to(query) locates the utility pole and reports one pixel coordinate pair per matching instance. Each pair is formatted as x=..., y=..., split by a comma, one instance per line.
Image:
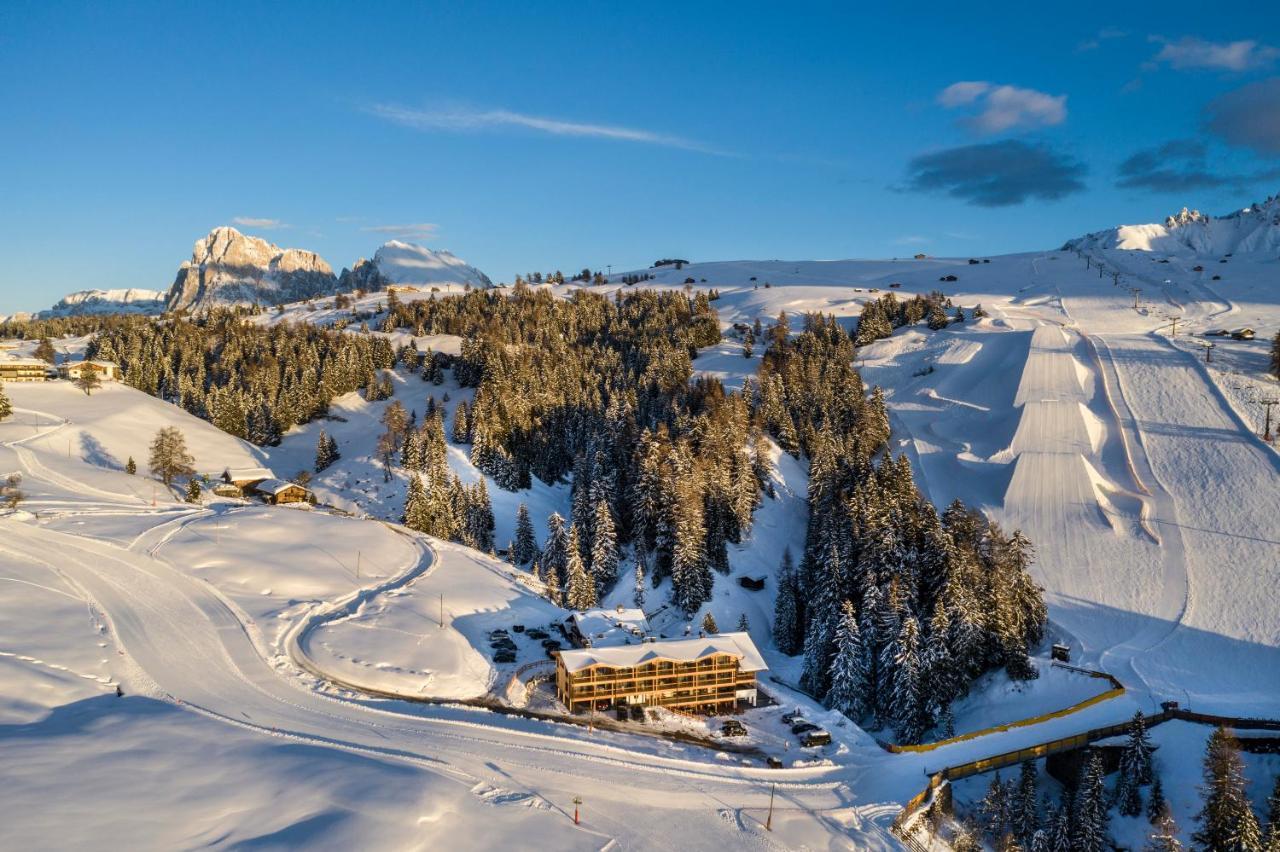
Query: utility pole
x=1208, y=352
x=1136, y=293
x=768, y=823
x=1175, y=326
x=1267, y=404
x=357, y=565
x=442, y=610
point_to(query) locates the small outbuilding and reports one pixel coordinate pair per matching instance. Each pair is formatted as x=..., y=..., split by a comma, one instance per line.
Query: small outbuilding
x=245, y=478
x=277, y=491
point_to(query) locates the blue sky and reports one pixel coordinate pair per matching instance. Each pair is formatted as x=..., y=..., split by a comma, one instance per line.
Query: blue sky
x=524, y=137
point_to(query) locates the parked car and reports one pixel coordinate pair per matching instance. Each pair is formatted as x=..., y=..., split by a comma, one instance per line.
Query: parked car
x=803, y=728
x=816, y=737
x=621, y=712
x=536, y=634
x=773, y=762
x=793, y=717
x=637, y=713
x=519, y=628
x=504, y=656
x=733, y=728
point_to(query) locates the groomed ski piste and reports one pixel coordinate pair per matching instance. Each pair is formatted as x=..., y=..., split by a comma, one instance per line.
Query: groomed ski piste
x=240, y=635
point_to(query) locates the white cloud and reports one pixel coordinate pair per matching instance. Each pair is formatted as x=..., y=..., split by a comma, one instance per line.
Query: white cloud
x=1104, y=34
x=256, y=222
x=912, y=240
x=964, y=92
x=419, y=230
x=462, y=119
x=1190, y=52
x=1004, y=107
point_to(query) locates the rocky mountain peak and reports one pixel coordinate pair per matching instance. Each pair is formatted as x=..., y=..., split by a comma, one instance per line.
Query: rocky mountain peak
x=228, y=267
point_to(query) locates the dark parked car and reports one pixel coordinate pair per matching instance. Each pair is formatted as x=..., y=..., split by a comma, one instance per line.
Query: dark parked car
x=504, y=657
x=814, y=738
x=773, y=762
x=803, y=728
x=621, y=712
x=793, y=717
x=733, y=728
x=536, y=634
x=637, y=713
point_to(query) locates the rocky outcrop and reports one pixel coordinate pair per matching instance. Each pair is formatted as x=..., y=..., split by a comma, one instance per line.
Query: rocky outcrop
x=228, y=267
x=363, y=276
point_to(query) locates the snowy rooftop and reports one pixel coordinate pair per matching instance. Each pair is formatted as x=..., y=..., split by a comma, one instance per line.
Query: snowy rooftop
x=249, y=474
x=274, y=486
x=605, y=627
x=678, y=650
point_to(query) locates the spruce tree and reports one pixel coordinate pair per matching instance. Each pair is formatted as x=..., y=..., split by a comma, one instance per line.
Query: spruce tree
x=604, y=548
x=909, y=704
x=324, y=452
x=785, y=617
x=849, y=682
x=526, y=544
x=743, y=625
x=6, y=407
x=1060, y=827
x=709, y=625
x=416, y=511
x=1227, y=821
x=994, y=808
x=1025, y=807
x=1136, y=758
x=131, y=466
x=193, y=490
x=638, y=593
x=1165, y=837
x=580, y=590
x=1157, y=808
x=1090, y=833
x=555, y=553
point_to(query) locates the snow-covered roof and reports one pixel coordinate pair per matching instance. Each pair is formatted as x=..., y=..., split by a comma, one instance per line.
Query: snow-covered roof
x=94, y=361
x=275, y=486
x=677, y=650
x=247, y=474
x=611, y=626
x=19, y=361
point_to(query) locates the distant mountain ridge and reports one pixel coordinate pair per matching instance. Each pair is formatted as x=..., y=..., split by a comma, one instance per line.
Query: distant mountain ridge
x=228, y=267
x=130, y=301
x=1255, y=228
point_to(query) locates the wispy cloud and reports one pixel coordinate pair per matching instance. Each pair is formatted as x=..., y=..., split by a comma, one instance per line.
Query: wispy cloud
x=468, y=120
x=417, y=231
x=1190, y=52
x=257, y=222
x=1003, y=108
x=1104, y=34
x=912, y=240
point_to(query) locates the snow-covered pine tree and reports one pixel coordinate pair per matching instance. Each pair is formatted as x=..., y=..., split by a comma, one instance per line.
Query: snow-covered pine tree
x=1227, y=821
x=709, y=625
x=994, y=809
x=1165, y=837
x=580, y=591
x=6, y=407
x=1091, y=819
x=939, y=670
x=193, y=490
x=744, y=626
x=526, y=544
x=819, y=641
x=324, y=452
x=604, y=548
x=690, y=574
x=130, y=467
x=1025, y=806
x=555, y=552
x=1157, y=808
x=786, y=633
x=551, y=582
x=416, y=514
x=909, y=703
x=1138, y=750
x=637, y=595
x=849, y=683
x=1060, y=826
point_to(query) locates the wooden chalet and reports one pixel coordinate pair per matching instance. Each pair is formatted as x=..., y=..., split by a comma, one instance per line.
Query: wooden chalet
x=108, y=371
x=277, y=491
x=245, y=478
x=24, y=370
x=712, y=674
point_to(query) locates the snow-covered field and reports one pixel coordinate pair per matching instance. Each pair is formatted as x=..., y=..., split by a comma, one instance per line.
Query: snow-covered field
x=1133, y=466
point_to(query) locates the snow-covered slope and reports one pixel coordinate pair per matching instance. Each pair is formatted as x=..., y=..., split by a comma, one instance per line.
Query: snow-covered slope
x=130, y=301
x=415, y=265
x=1255, y=228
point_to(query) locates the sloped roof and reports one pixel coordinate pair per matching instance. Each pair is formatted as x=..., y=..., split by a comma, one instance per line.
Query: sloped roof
x=275, y=486
x=245, y=474
x=610, y=626
x=677, y=650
